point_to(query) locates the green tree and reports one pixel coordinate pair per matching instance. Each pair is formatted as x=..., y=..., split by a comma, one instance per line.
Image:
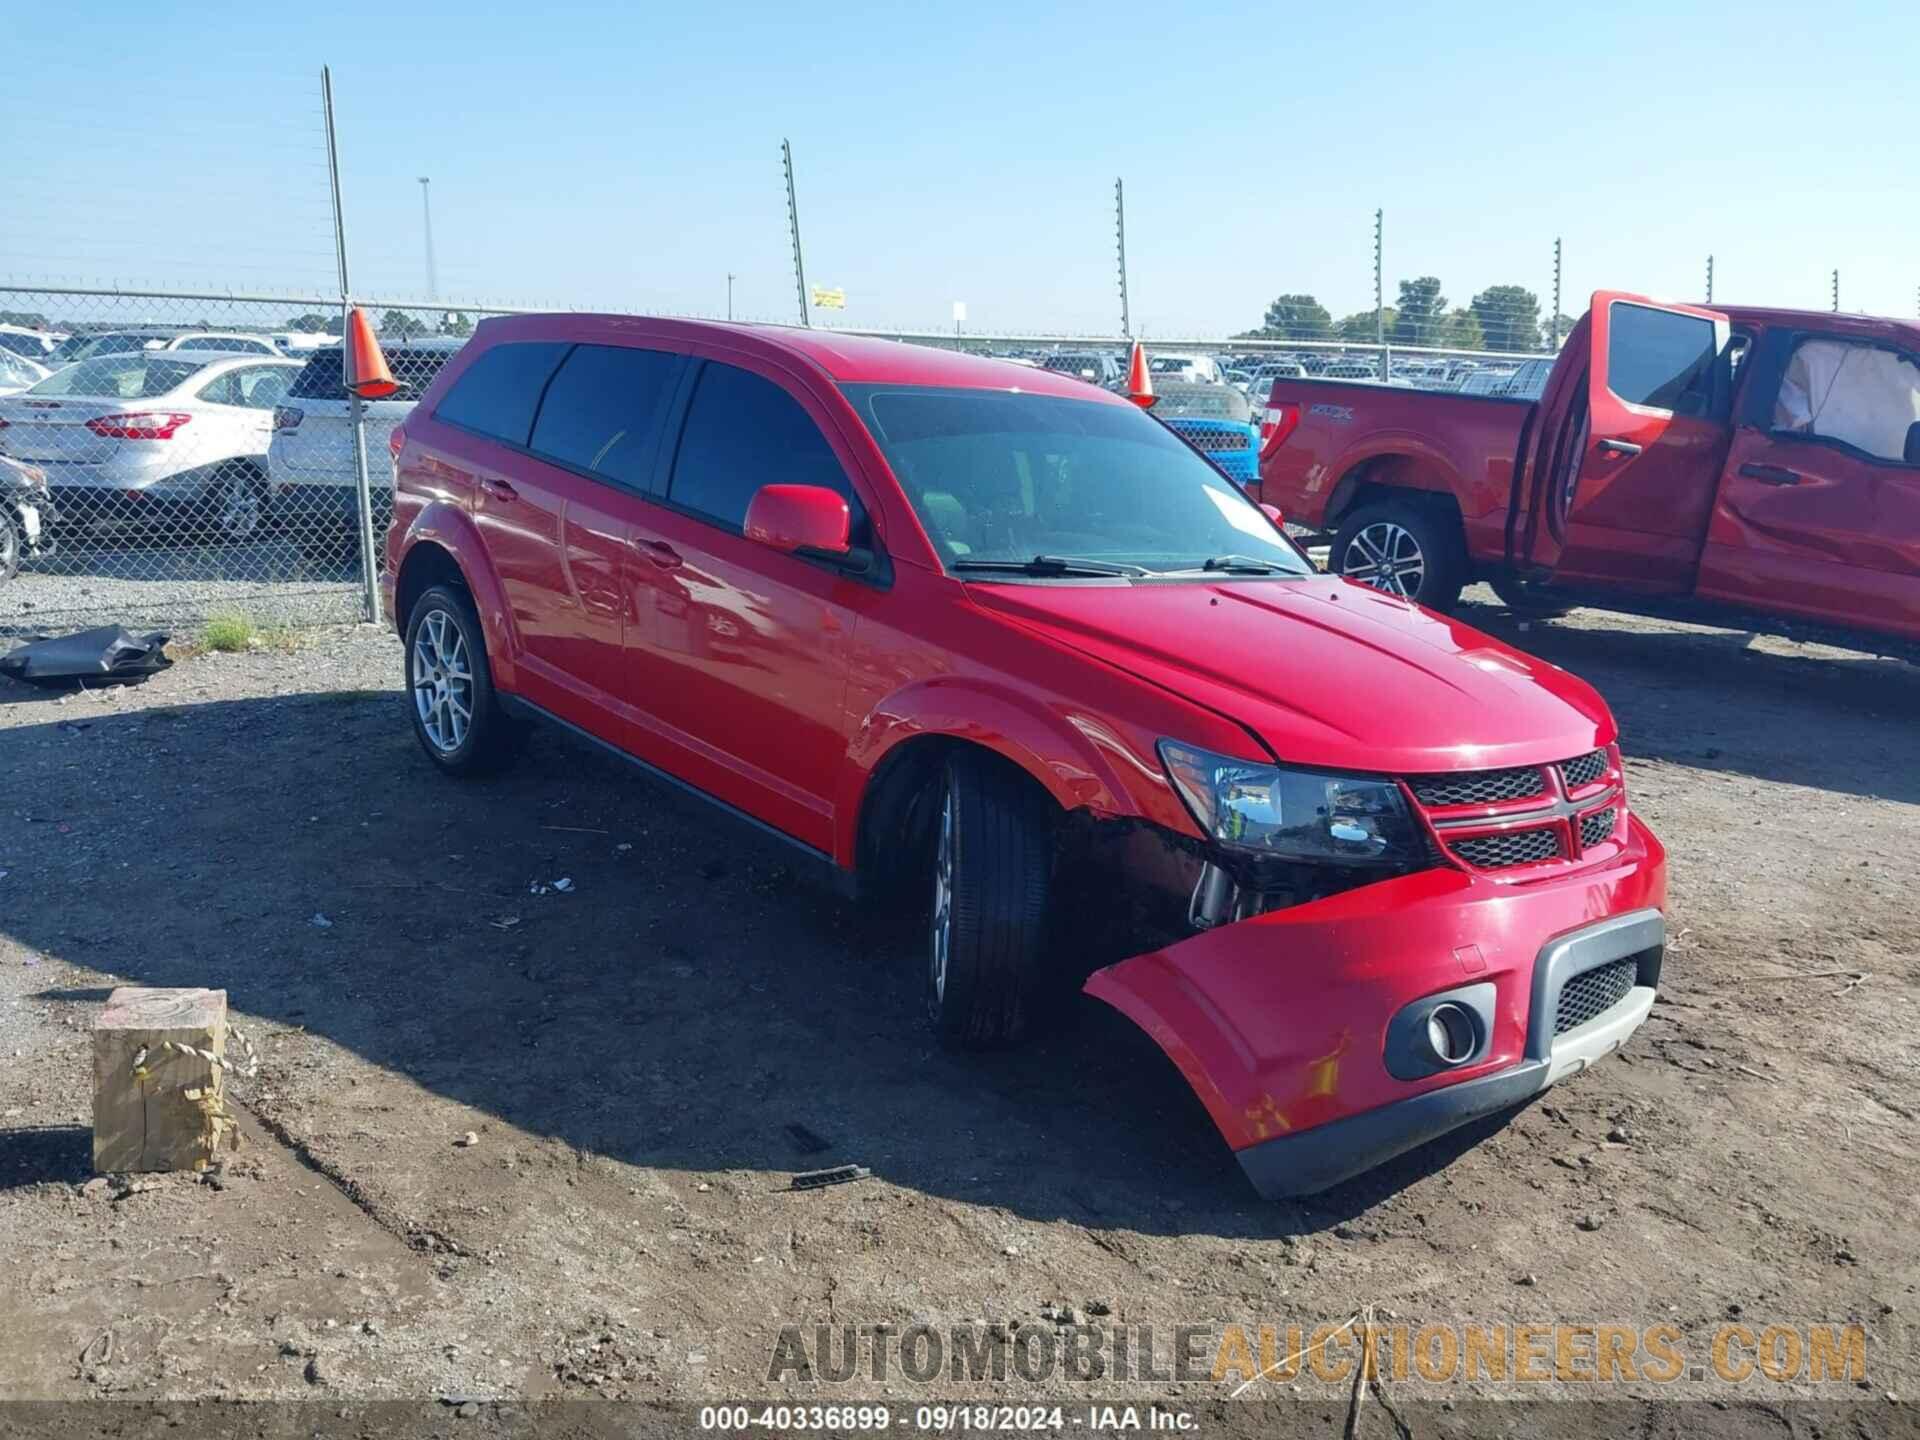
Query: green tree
x=1359, y=326
x=399, y=325
x=1297, y=317
x=1422, y=312
x=308, y=324
x=1509, y=317
x=1547, y=332
x=1461, y=331
x=455, y=322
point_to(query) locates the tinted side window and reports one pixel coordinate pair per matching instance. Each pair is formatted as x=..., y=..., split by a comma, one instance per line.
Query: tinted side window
x=500, y=390
x=604, y=409
x=743, y=432
x=1655, y=356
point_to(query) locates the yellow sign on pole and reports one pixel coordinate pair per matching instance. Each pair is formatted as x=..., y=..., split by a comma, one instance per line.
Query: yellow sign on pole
x=825, y=299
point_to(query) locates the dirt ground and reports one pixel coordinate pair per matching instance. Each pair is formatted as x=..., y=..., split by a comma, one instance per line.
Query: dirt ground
x=632, y=1056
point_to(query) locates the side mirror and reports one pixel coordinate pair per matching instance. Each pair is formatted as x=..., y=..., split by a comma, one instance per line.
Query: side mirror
x=1272, y=512
x=800, y=517
x=1912, y=454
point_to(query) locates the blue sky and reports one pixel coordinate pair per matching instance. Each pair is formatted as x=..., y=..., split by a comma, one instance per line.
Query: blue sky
x=627, y=156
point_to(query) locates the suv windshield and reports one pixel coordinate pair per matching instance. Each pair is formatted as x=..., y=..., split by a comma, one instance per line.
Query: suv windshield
x=998, y=476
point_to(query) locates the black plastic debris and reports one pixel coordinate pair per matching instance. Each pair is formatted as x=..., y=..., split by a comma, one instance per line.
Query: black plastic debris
x=837, y=1175
x=108, y=655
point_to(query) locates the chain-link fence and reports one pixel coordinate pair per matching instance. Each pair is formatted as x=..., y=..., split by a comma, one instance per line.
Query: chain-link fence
x=180, y=456
x=175, y=457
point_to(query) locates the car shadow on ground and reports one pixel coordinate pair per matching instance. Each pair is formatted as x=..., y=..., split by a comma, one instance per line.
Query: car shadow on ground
x=1818, y=718
x=689, y=1003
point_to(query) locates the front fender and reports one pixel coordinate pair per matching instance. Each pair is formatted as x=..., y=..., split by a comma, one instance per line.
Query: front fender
x=451, y=528
x=1082, y=762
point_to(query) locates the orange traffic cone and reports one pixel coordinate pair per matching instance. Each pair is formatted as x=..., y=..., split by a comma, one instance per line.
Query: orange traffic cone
x=366, y=370
x=1139, y=380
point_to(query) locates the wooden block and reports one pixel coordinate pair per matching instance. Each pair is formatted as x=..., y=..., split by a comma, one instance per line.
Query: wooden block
x=156, y=1108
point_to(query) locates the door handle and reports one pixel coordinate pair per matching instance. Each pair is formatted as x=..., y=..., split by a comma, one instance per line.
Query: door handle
x=1770, y=474
x=658, y=551
x=498, y=488
x=1625, y=449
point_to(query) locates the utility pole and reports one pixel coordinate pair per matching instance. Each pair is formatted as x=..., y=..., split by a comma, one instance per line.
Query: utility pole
x=1120, y=236
x=426, y=215
x=1379, y=289
x=1556, y=293
x=363, y=489
x=1709, y=279
x=793, y=221
x=729, y=295
x=1836, y=292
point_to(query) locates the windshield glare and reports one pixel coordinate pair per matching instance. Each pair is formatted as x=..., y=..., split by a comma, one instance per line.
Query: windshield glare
x=137, y=375
x=1002, y=476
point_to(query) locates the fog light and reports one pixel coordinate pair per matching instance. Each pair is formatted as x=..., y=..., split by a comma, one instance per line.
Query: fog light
x=1452, y=1033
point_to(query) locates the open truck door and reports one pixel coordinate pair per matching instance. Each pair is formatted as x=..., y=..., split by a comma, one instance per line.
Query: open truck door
x=1626, y=459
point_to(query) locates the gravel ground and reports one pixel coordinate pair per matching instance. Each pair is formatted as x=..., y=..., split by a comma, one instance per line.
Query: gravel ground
x=631, y=1058
x=95, y=580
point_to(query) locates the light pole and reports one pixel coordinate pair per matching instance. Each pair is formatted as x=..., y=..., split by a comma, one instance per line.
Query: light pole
x=426, y=215
x=729, y=295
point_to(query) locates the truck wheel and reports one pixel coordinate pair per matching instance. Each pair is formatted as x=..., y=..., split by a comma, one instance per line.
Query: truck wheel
x=10, y=546
x=992, y=868
x=456, y=714
x=1404, y=548
x=1526, y=601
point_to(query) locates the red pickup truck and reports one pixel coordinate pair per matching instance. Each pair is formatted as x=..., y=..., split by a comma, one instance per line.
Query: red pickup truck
x=1680, y=458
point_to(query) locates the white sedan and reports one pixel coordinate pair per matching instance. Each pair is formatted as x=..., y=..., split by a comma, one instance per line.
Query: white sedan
x=153, y=439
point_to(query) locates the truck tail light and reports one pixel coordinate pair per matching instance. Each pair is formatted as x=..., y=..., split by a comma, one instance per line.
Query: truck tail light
x=143, y=425
x=1278, y=424
x=287, y=417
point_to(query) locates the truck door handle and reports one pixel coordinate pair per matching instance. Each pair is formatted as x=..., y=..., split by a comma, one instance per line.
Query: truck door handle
x=498, y=488
x=1626, y=449
x=1770, y=474
x=658, y=551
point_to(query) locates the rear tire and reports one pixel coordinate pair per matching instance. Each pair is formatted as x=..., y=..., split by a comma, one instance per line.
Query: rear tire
x=240, y=503
x=450, y=696
x=992, y=871
x=10, y=545
x=1404, y=548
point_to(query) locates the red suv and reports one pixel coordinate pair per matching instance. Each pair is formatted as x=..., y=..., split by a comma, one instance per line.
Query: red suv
x=995, y=641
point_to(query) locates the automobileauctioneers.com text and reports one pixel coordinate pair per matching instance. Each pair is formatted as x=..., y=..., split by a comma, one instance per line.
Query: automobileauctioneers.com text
x=1246, y=1357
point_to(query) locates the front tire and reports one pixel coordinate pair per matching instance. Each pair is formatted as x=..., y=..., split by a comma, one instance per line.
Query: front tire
x=992, y=871
x=456, y=712
x=1404, y=548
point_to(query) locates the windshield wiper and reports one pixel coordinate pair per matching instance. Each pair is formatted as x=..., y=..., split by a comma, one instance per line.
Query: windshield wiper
x=1230, y=565
x=1051, y=565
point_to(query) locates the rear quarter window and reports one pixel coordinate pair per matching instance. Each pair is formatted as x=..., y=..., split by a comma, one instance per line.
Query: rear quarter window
x=497, y=394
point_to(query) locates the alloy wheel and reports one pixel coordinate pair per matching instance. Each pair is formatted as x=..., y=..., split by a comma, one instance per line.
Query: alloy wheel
x=239, y=507
x=1387, y=557
x=942, y=937
x=442, y=682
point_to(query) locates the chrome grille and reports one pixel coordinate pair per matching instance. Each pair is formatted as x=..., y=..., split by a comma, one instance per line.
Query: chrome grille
x=1596, y=827
x=1509, y=848
x=1478, y=787
x=1593, y=992
x=1583, y=770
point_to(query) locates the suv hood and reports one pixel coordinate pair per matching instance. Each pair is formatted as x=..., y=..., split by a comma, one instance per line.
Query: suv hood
x=1327, y=672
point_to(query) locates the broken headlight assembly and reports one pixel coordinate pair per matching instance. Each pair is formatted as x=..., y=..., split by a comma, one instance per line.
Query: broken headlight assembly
x=1303, y=816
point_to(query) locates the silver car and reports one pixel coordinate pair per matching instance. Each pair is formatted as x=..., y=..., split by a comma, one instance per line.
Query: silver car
x=153, y=439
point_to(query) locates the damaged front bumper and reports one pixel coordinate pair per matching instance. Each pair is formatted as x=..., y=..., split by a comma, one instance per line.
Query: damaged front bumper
x=1303, y=1030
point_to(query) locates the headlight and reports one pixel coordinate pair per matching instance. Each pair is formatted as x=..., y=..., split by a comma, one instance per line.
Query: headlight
x=1293, y=814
